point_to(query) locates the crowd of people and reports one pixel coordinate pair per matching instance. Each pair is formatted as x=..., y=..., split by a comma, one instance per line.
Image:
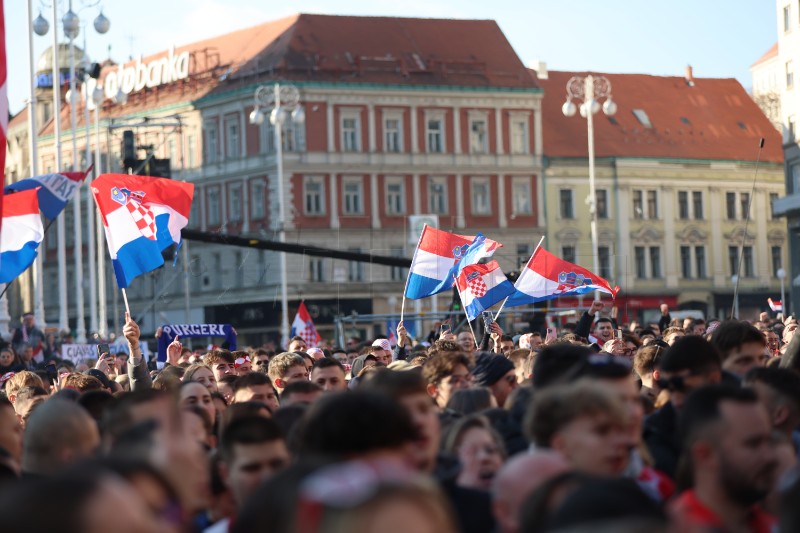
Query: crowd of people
x=677, y=425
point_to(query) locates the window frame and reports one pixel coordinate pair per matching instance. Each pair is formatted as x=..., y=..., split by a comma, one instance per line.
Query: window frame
x=475, y=183
x=355, y=198
x=438, y=117
x=233, y=137
x=524, y=183
x=353, y=133
x=233, y=216
x=478, y=141
x=438, y=181
x=214, y=216
x=395, y=202
x=394, y=116
x=308, y=194
x=566, y=209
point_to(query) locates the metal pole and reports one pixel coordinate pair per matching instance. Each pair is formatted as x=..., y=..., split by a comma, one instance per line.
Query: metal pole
x=102, y=326
x=588, y=100
x=77, y=249
x=33, y=130
x=61, y=233
x=186, y=295
x=281, y=217
x=784, y=312
x=90, y=233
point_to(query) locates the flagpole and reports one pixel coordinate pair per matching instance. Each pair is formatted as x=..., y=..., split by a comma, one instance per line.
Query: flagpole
x=520, y=277
x=408, y=276
x=125, y=298
x=464, y=307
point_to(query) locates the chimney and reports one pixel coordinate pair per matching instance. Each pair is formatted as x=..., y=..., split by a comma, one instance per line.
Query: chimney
x=540, y=67
x=689, y=76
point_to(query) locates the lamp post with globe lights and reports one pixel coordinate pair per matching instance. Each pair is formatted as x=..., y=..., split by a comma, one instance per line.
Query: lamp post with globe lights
x=590, y=90
x=781, y=273
x=281, y=101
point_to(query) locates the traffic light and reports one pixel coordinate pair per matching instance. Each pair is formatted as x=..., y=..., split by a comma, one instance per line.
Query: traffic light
x=128, y=149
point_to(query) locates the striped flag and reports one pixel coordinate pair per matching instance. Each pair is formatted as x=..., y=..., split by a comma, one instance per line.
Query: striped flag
x=3, y=101
x=22, y=233
x=482, y=286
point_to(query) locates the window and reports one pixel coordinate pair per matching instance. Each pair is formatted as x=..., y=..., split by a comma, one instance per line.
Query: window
x=395, y=196
x=196, y=272
x=655, y=262
x=437, y=196
x=730, y=205
x=478, y=136
x=212, y=142
x=791, y=129
x=604, y=257
x=519, y=136
x=194, y=212
x=641, y=264
x=192, y=149
x=172, y=153
x=435, y=135
x=350, y=134
x=316, y=269
x=787, y=18
x=686, y=262
x=777, y=260
x=214, y=216
x=232, y=138
x=789, y=74
x=638, y=206
x=744, y=199
x=772, y=197
x=652, y=204
x=480, y=197
x=257, y=199
x=235, y=202
x=521, y=196
x=749, y=271
x=683, y=205
x=568, y=253
x=355, y=268
x=733, y=259
x=294, y=137
x=697, y=201
x=353, y=196
x=567, y=207
x=700, y=261
x=313, y=192
x=641, y=116
x=601, y=197
x=239, y=281
x=392, y=135
x=397, y=273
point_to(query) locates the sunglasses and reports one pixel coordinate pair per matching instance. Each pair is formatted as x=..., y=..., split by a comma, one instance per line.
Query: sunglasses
x=672, y=384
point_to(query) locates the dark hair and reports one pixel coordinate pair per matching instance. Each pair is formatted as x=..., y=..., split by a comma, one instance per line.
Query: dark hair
x=240, y=410
x=442, y=364
x=327, y=362
x=347, y=423
x=732, y=334
x=229, y=379
x=300, y=387
x=605, y=366
x=247, y=430
x=288, y=418
x=119, y=418
x=393, y=383
x=647, y=358
x=506, y=338
x=603, y=319
x=555, y=361
x=782, y=381
x=96, y=403
x=539, y=506
x=470, y=401
x=251, y=379
x=690, y=353
x=702, y=408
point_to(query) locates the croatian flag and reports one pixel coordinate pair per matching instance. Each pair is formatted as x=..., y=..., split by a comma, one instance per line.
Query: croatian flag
x=437, y=257
x=482, y=286
x=142, y=216
x=777, y=307
x=546, y=277
x=55, y=190
x=21, y=235
x=303, y=326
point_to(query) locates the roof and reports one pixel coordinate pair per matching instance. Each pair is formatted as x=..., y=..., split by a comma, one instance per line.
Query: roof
x=19, y=119
x=769, y=54
x=709, y=119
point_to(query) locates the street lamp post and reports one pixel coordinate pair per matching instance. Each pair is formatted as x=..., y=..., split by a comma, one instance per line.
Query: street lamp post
x=281, y=101
x=735, y=282
x=590, y=90
x=781, y=273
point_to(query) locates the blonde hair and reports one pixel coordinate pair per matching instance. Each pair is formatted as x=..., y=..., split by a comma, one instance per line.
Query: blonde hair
x=20, y=380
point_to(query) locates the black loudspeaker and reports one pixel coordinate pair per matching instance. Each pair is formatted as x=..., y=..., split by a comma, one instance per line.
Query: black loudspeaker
x=128, y=149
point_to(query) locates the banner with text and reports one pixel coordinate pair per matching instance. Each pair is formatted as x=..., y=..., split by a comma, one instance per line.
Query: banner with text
x=169, y=331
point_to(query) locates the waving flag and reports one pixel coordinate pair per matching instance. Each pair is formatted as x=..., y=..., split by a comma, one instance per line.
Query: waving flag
x=55, y=190
x=303, y=326
x=482, y=286
x=21, y=235
x=142, y=216
x=777, y=307
x=3, y=100
x=437, y=259
x=546, y=277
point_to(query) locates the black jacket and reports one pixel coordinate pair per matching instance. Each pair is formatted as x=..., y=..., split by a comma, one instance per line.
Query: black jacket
x=472, y=507
x=662, y=439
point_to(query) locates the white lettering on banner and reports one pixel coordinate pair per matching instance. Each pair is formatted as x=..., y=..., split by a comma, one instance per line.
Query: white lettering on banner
x=61, y=186
x=138, y=76
x=78, y=353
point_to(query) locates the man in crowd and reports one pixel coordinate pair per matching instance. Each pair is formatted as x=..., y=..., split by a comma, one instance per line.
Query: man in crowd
x=382, y=351
x=445, y=373
x=741, y=346
x=672, y=334
x=778, y=390
x=300, y=392
x=466, y=341
x=285, y=368
x=505, y=345
x=297, y=344
x=29, y=335
x=221, y=363
x=496, y=372
x=603, y=330
x=329, y=374
x=255, y=387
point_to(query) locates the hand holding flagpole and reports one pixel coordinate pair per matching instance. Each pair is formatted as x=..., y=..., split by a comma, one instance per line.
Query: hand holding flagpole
x=469, y=323
x=520, y=277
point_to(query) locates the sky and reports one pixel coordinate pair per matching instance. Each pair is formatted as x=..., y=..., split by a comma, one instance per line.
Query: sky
x=719, y=38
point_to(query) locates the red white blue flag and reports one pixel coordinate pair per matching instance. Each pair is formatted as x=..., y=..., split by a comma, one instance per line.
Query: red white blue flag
x=482, y=286
x=22, y=233
x=438, y=258
x=777, y=307
x=142, y=216
x=303, y=326
x=546, y=277
x=55, y=190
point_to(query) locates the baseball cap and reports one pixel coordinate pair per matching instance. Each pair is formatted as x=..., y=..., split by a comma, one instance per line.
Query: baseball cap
x=383, y=343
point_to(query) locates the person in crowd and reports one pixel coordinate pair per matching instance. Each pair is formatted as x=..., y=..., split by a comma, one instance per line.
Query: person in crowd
x=28, y=335
x=479, y=450
x=466, y=341
x=138, y=376
x=28, y=398
x=203, y=375
x=505, y=345
x=381, y=350
x=10, y=436
x=329, y=374
x=741, y=347
x=519, y=357
x=9, y=361
x=687, y=365
x=300, y=392
x=255, y=387
x=644, y=364
x=221, y=363
x=226, y=386
x=445, y=373
x=194, y=393
x=672, y=334
x=285, y=368
x=19, y=381
x=260, y=360
x=472, y=400
x=241, y=362
x=778, y=389
x=496, y=372
x=297, y=344
x=603, y=330
x=727, y=441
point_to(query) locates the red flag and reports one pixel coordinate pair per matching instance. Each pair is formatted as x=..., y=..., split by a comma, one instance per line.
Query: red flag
x=3, y=101
x=303, y=327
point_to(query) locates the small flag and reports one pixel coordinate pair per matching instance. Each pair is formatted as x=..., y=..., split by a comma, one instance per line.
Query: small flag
x=391, y=332
x=142, y=216
x=21, y=235
x=55, y=190
x=546, y=277
x=303, y=326
x=438, y=252
x=777, y=307
x=482, y=286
